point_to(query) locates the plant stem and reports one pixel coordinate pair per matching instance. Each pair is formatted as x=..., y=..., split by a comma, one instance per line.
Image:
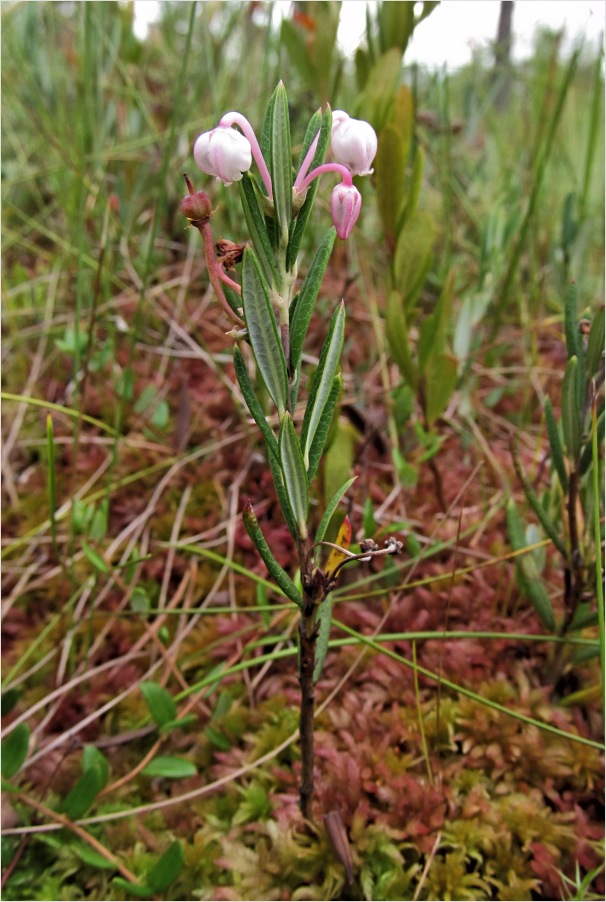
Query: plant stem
x=308, y=634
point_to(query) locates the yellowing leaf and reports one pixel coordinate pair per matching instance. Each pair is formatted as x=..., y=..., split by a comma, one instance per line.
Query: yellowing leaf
x=343, y=539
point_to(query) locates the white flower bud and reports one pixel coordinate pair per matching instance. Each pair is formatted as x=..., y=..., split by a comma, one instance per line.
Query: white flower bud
x=224, y=153
x=353, y=142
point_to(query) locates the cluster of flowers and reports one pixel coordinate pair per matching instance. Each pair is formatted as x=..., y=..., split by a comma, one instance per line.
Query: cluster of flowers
x=226, y=153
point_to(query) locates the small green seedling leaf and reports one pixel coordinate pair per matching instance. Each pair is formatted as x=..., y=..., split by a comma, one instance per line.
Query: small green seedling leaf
x=92, y=858
x=82, y=795
x=170, y=767
x=92, y=757
x=94, y=558
x=14, y=750
x=166, y=869
x=161, y=704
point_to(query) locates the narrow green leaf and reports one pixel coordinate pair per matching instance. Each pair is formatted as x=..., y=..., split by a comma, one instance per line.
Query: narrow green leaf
x=285, y=506
x=281, y=160
x=571, y=325
x=255, y=221
x=331, y=508
x=322, y=383
x=396, y=328
x=544, y=518
x=325, y=617
x=571, y=413
x=440, y=383
x=14, y=750
x=282, y=578
x=82, y=795
x=595, y=345
x=263, y=331
x=307, y=298
x=295, y=477
x=413, y=256
x=390, y=165
x=161, y=704
x=587, y=454
x=297, y=229
x=557, y=453
x=527, y=574
x=324, y=423
x=256, y=411
x=171, y=767
x=167, y=868
x=95, y=558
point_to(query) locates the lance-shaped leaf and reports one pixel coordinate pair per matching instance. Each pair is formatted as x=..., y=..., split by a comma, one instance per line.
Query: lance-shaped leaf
x=587, y=455
x=297, y=229
x=281, y=159
x=256, y=411
x=285, y=506
x=544, y=518
x=295, y=477
x=571, y=326
x=255, y=220
x=557, y=453
x=319, y=440
x=331, y=508
x=323, y=380
x=571, y=413
x=282, y=578
x=307, y=298
x=263, y=331
x=595, y=345
x=527, y=572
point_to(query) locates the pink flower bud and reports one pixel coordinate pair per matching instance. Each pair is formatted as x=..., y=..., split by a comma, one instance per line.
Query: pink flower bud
x=353, y=142
x=224, y=153
x=345, y=206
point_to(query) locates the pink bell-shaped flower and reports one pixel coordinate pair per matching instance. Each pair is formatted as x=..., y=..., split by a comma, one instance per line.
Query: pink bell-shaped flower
x=224, y=153
x=353, y=142
x=345, y=206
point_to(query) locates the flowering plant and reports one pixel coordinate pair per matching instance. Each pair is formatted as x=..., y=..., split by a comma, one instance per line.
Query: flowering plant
x=272, y=316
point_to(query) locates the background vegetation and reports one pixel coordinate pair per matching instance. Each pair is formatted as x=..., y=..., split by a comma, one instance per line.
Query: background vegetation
x=149, y=679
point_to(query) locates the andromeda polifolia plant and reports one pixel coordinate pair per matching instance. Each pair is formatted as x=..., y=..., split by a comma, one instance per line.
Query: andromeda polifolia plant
x=270, y=313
